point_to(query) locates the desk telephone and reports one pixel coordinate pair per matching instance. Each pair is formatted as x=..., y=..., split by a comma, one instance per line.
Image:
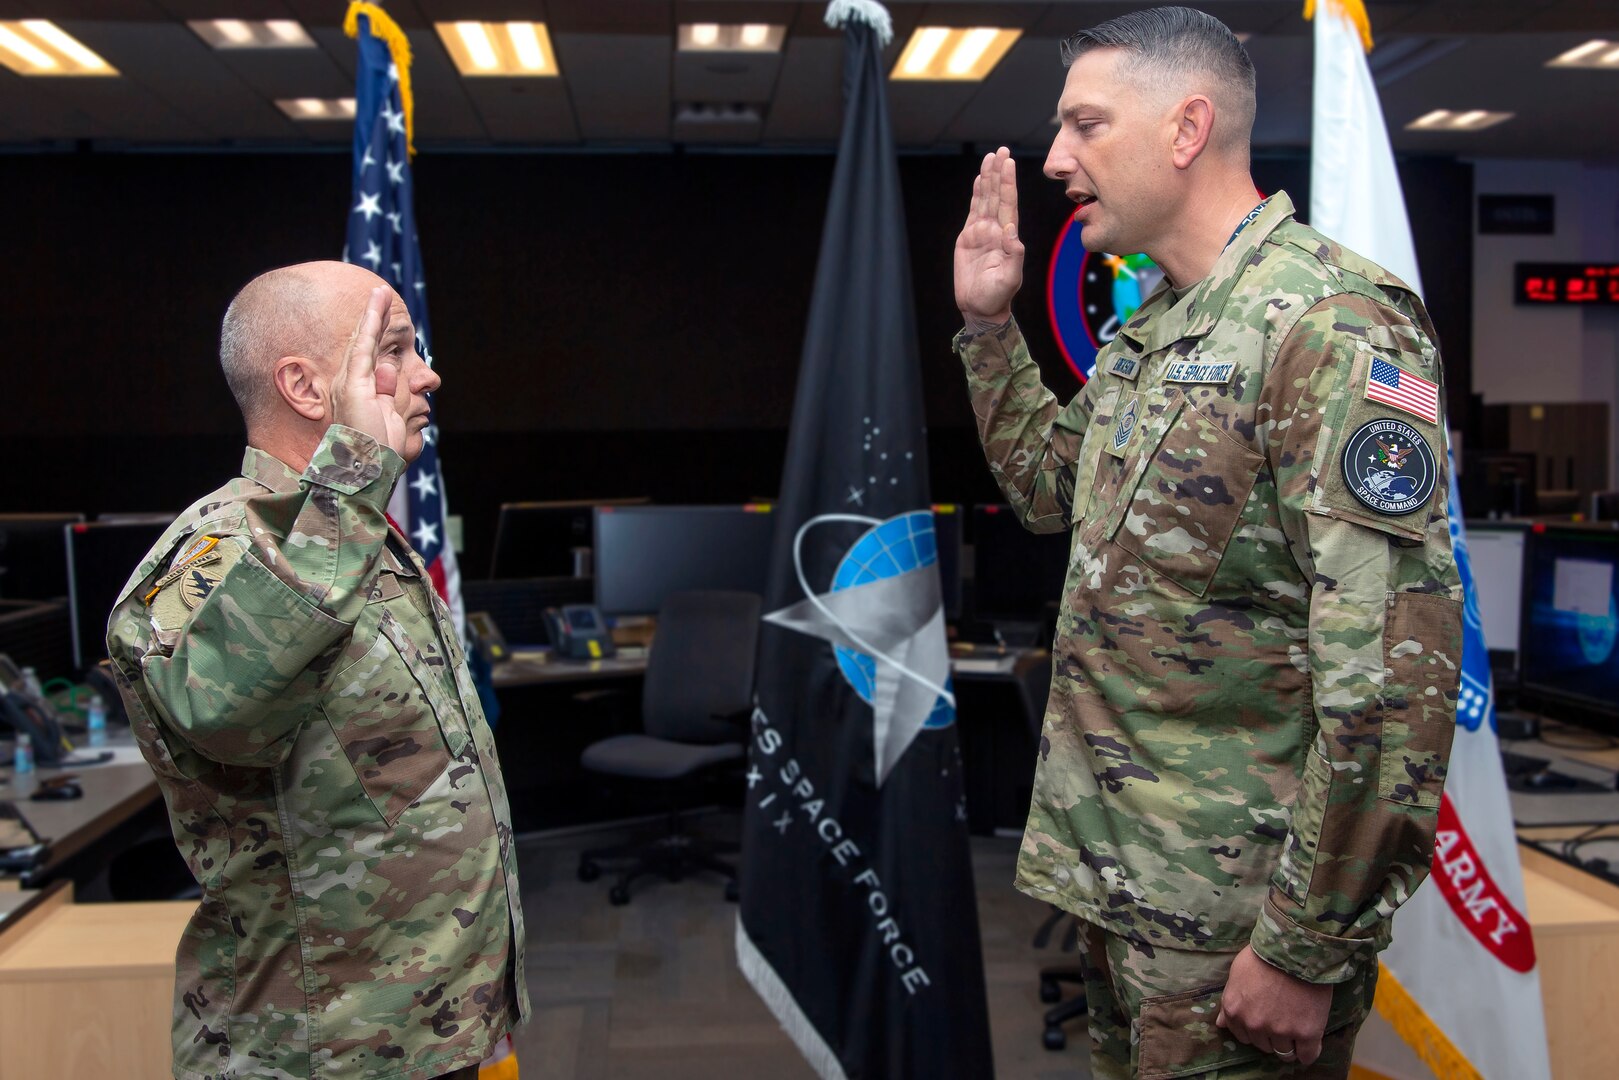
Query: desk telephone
x=579, y=632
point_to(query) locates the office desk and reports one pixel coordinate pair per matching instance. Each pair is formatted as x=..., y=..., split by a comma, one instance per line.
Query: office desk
x=540, y=669
x=87, y=990
x=113, y=794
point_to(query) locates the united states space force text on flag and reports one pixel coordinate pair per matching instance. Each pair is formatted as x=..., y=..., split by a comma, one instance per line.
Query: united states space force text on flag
x=382, y=238
x=1459, y=984
x=858, y=924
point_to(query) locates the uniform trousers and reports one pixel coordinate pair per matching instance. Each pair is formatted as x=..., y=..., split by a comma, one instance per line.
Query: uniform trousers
x=1152, y=1010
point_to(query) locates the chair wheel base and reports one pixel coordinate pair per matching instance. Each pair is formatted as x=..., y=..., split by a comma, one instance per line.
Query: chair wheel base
x=1050, y=992
x=588, y=870
x=1054, y=1038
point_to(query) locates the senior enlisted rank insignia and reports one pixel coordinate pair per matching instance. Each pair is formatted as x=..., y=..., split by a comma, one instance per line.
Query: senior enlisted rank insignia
x=1390, y=467
x=1124, y=427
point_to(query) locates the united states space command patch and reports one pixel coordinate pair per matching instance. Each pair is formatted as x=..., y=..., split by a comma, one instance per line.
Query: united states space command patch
x=1390, y=467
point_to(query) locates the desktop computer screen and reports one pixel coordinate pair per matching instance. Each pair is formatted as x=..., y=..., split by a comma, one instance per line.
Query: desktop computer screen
x=33, y=556
x=1571, y=620
x=1497, y=553
x=101, y=557
x=539, y=539
x=1016, y=573
x=643, y=553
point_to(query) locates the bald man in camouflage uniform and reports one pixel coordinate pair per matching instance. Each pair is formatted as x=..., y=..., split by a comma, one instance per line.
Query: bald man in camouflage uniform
x=298, y=687
x=1257, y=658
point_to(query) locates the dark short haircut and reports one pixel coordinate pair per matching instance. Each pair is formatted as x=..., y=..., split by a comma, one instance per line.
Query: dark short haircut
x=1165, y=40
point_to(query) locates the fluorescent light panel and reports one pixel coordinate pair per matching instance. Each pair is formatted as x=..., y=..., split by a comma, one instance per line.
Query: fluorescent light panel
x=949, y=53
x=1462, y=120
x=317, y=108
x=499, y=48
x=1596, y=53
x=248, y=34
x=730, y=37
x=40, y=47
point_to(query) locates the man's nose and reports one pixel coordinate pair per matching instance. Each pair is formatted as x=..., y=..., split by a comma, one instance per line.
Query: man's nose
x=1060, y=164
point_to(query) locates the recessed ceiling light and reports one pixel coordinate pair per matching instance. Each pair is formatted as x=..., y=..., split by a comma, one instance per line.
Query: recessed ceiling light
x=1467, y=120
x=953, y=53
x=1596, y=53
x=317, y=108
x=40, y=47
x=730, y=37
x=246, y=34
x=499, y=48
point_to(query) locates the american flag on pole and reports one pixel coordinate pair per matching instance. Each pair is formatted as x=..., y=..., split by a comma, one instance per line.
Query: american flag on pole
x=382, y=238
x=1403, y=390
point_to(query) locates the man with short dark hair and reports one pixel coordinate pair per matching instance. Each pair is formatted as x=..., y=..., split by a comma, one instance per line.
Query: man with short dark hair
x=1257, y=657
x=298, y=687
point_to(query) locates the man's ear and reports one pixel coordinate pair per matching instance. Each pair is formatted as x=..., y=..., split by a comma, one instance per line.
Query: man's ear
x=1193, y=128
x=300, y=387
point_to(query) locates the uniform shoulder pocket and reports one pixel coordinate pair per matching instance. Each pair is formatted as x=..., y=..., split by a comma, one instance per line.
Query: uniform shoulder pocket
x=1380, y=455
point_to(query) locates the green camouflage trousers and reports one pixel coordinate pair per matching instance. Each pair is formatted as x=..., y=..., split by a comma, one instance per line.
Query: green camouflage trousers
x=1152, y=1016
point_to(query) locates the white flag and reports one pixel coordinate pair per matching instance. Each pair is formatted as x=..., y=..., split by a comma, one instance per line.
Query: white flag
x=1459, y=984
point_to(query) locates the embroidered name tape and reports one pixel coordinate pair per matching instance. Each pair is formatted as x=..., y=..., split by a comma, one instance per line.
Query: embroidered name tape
x=1201, y=371
x=1125, y=367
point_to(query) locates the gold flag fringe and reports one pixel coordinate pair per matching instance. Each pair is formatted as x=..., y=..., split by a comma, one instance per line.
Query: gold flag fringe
x=1354, y=11
x=1417, y=1029
x=383, y=26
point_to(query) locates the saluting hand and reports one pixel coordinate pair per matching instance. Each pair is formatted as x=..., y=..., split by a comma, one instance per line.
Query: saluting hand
x=365, y=390
x=989, y=255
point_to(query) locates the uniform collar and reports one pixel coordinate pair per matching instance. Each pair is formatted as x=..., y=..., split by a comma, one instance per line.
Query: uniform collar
x=269, y=471
x=1161, y=320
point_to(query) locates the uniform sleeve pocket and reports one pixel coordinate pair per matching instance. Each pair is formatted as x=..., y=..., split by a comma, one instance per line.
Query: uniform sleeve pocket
x=1194, y=482
x=1422, y=652
x=393, y=726
x=1178, y=1036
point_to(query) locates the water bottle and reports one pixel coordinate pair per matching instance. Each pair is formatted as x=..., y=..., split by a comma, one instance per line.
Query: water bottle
x=96, y=720
x=23, y=761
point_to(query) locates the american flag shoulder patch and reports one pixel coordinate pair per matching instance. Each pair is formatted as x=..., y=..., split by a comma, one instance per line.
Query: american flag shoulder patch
x=1392, y=385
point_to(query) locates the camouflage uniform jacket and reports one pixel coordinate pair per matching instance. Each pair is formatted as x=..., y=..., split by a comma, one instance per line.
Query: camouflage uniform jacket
x=1255, y=670
x=297, y=686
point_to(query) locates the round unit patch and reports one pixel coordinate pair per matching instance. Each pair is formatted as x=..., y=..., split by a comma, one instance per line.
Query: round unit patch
x=1390, y=467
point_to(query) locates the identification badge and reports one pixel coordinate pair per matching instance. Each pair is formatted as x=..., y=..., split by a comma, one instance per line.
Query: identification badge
x=1125, y=367
x=1201, y=371
x=1390, y=467
x=1124, y=427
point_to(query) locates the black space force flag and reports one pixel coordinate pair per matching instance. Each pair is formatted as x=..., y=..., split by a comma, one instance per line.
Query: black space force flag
x=858, y=925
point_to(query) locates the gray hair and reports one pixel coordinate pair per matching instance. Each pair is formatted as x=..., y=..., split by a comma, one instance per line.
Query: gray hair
x=1164, y=42
x=273, y=316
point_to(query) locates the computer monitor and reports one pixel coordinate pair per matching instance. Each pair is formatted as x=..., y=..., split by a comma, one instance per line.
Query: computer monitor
x=1497, y=558
x=33, y=556
x=540, y=539
x=947, y=536
x=1016, y=573
x=1571, y=624
x=101, y=557
x=644, y=553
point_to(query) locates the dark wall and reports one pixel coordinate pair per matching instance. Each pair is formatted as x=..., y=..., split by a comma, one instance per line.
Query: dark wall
x=605, y=324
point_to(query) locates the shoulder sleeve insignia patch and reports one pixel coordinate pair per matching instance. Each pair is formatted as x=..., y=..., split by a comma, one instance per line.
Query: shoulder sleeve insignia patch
x=1390, y=467
x=189, y=581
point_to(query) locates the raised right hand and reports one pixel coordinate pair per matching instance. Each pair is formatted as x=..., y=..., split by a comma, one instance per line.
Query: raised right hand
x=989, y=255
x=363, y=390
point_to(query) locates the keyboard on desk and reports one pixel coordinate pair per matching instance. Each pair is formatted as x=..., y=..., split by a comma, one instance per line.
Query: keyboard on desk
x=982, y=665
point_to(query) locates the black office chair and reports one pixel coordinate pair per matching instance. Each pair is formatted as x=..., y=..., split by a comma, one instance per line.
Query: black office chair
x=1034, y=685
x=697, y=697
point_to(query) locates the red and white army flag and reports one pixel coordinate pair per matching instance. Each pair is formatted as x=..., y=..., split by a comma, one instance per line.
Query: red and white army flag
x=1459, y=984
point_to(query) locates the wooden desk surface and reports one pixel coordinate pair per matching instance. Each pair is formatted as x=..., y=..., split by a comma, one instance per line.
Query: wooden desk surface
x=88, y=940
x=113, y=793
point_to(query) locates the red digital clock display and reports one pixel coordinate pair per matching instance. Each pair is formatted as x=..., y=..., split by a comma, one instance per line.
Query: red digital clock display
x=1566, y=283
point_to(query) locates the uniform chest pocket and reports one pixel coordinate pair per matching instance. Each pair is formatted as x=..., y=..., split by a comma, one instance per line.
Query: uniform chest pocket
x=393, y=718
x=1185, y=490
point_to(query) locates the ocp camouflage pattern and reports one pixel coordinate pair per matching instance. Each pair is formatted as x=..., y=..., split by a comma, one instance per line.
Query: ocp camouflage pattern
x=330, y=779
x=1255, y=673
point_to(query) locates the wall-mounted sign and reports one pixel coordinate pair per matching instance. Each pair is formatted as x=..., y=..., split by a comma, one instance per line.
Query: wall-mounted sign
x=1521, y=215
x=1566, y=283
